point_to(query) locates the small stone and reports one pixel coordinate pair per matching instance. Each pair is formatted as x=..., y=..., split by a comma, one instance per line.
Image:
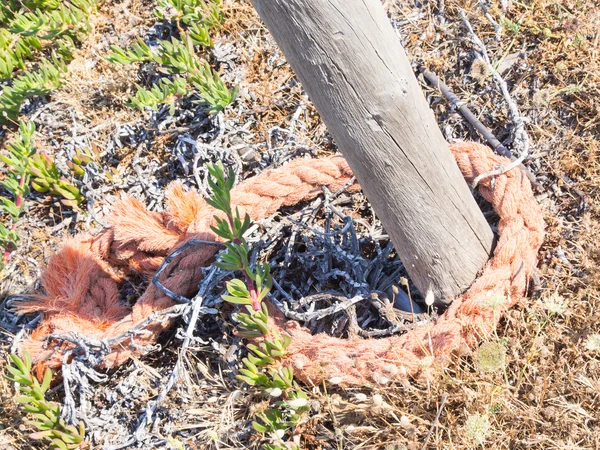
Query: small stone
x=335, y=380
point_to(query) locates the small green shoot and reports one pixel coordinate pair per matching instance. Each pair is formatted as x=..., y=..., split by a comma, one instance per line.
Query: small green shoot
x=45, y=414
x=260, y=368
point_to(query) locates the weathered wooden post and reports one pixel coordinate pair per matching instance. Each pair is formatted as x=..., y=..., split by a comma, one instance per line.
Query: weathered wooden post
x=348, y=57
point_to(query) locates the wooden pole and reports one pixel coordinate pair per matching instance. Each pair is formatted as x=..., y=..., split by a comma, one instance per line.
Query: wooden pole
x=350, y=61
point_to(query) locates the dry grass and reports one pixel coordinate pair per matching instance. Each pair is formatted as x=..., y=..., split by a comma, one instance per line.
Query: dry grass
x=270, y=93
x=94, y=88
x=545, y=392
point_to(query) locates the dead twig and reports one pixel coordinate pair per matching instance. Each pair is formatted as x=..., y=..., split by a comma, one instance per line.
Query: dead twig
x=485, y=132
x=196, y=307
x=497, y=27
x=88, y=347
x=435, y=421
x=344, y=304
x=521, y=138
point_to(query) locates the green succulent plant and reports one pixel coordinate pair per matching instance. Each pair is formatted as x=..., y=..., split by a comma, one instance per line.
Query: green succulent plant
x=45, y=415
x=260, y=368
x=27, y=167
x=28, y=30
x=178, y=57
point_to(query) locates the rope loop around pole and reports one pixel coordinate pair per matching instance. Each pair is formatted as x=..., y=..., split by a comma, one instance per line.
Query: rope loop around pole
x=82, y=280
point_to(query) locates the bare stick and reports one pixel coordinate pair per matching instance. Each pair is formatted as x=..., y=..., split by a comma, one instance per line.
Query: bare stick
x=485, y=132
x=86, y=345
x=521, y=138
x=497, y=27
x=435, y=421
x=149, y=415
x=344, y=304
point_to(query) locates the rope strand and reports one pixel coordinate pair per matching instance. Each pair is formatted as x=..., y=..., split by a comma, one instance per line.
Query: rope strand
x=82, y=279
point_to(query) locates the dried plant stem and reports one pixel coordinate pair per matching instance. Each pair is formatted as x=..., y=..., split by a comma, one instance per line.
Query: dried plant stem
x=435, y=421
x=196, y=308
x=497, y=27
x=487, y=134
x=521, y=138
x=344, y=304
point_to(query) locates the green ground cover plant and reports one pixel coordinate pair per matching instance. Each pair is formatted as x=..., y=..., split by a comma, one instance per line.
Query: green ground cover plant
x=37, y=39
x=262, y=369
x=187, y=70
x=28, y=168
x=44, y=414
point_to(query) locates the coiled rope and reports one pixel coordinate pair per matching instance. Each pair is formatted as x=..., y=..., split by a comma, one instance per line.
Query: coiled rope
x=82, y=280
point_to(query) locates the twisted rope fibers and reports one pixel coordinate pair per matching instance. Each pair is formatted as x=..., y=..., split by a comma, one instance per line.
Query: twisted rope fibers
x=82, y=280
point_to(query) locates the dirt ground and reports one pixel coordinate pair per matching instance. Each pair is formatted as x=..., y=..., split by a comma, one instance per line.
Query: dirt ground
x=544, y=395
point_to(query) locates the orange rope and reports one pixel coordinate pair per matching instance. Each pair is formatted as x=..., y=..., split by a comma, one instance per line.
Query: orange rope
x=82, y=280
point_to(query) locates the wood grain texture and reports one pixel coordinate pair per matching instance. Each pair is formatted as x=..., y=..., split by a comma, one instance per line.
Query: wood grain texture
x=354, y=69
